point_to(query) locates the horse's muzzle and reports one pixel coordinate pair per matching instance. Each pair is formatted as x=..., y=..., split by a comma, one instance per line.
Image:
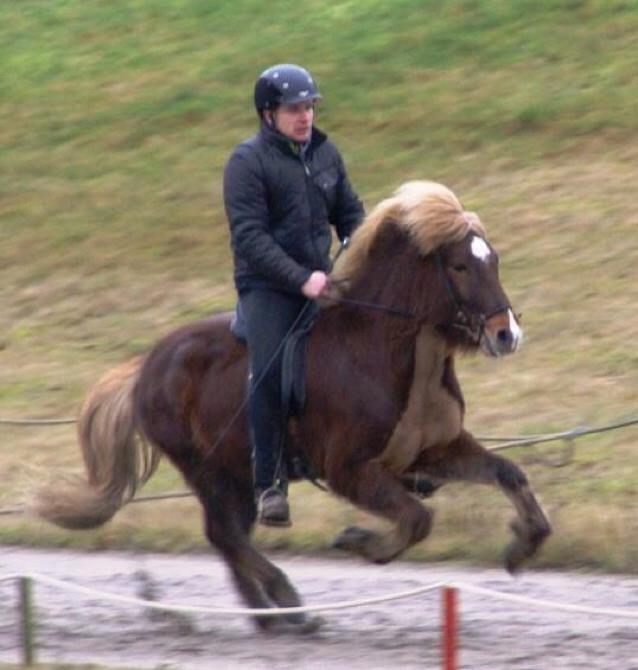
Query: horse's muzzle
x=502, y=334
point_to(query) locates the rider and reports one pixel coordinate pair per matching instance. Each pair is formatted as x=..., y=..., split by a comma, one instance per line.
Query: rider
x=283, y=188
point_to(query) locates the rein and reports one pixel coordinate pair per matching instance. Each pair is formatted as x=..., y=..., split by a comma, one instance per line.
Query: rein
x=463, y=321
x=393, y=311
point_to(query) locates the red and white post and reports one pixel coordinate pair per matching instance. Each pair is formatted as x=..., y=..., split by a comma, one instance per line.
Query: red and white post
x=450, y=625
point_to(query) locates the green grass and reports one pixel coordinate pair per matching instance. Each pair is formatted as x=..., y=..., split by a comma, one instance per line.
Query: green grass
x=116, y=121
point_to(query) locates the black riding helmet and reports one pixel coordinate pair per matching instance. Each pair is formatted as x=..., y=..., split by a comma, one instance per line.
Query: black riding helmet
x=284, y=84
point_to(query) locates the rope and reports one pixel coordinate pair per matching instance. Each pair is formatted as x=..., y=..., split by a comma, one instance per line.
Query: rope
x=11, y=510
x=508, y=440
x=269, y=611
x=573, y=433
x=547, y=604
x=425, y=588
x=579, y=431
x=36, y=422
x=156, y=496
x=523, y=441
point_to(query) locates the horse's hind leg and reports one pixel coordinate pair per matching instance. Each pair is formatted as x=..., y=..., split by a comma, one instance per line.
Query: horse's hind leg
x=375, y=489
x=465, y=459
x=230, y=514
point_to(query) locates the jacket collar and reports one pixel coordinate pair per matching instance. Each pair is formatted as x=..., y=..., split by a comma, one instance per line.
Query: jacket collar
x=288, y=146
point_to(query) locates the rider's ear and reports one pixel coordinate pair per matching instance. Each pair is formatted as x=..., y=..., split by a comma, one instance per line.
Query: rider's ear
x=269, y=118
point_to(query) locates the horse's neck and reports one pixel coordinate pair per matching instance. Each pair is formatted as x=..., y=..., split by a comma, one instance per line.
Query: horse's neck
x=432, y=414
x=371, y=343
x=434, y=363
x=430, y=352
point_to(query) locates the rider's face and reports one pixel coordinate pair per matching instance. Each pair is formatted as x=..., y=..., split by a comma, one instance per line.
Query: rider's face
x=295, y=121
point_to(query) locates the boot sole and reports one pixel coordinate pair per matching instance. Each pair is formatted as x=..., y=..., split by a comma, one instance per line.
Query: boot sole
x=283, y=523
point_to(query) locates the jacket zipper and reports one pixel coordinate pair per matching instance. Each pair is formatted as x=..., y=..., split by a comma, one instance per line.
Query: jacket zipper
x=306, y=168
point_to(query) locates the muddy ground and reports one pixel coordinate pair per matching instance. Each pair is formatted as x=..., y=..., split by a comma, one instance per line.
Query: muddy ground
x=402, y=634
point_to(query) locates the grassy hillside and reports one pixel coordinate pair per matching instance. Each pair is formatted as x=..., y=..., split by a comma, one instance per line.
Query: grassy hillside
x=116, y=121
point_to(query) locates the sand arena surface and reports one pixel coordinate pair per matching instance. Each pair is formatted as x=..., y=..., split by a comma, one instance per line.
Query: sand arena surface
x=400, y=634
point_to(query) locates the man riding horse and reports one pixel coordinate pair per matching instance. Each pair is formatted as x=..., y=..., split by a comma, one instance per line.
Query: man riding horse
x=283, y=189
x=418, y=285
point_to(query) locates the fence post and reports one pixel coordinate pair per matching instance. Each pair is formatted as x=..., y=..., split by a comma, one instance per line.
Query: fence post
x=449, y=628
x=26, y=621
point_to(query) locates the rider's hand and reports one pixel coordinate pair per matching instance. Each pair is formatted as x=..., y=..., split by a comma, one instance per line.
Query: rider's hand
x=315, y=285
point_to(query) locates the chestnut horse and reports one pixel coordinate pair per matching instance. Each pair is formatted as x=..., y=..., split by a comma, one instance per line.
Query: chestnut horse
x=383, y=412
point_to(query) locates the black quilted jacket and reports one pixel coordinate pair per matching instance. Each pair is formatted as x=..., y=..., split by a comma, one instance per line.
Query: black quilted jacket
x=280, y=204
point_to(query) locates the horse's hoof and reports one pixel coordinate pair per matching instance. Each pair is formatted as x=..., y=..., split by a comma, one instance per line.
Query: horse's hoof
x=311, y=625
x=515, y=556
x=280, y=625
x=353, y=539
x=527, y=543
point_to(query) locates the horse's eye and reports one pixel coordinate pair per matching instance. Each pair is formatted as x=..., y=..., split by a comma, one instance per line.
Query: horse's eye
x=460, y=268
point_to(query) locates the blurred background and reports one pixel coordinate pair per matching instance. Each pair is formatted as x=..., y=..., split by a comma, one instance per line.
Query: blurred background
x=116, y=120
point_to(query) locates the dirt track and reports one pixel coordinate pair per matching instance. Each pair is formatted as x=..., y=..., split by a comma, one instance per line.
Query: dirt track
x=401, y=634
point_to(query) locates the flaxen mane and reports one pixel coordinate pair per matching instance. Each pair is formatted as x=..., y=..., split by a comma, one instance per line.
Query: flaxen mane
x=429, y=212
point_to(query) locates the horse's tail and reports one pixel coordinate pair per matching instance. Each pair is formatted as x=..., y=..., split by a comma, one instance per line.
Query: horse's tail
x=116, y=457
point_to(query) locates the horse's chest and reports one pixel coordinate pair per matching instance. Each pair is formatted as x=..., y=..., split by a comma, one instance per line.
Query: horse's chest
x=432, y=415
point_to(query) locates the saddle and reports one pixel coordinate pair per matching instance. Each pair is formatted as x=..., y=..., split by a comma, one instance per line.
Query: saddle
x=293, y=383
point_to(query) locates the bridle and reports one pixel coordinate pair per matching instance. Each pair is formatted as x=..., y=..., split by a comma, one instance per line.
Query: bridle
x=470, y=324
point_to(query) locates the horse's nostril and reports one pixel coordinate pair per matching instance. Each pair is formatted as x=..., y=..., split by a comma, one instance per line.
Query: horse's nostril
x=504, y=336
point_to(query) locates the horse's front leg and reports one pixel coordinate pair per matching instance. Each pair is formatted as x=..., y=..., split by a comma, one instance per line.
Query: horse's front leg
x=466, y=459
x=371, y=487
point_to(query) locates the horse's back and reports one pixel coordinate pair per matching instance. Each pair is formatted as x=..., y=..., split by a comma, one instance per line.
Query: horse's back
x=198, y=347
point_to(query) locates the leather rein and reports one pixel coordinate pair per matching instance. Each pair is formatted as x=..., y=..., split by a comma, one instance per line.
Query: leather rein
x=470, y=324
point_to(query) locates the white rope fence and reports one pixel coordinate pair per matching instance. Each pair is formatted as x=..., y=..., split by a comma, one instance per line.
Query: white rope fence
x=238, y=611
x=363, y=602
x=449, y=619
x=503, y=442
x=546, y=604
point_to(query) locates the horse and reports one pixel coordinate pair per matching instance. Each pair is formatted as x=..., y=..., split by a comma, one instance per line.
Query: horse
x=383, y=414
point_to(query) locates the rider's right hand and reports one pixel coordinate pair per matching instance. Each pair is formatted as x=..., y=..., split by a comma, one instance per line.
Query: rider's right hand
x=315, y=285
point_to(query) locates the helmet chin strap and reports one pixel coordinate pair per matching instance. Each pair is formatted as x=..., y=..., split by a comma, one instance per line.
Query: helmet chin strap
x=269, y=119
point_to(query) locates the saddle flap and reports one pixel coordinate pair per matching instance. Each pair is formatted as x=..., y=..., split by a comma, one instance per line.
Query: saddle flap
x=293, y=371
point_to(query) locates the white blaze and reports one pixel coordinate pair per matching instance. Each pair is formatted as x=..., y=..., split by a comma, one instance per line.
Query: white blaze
x=515, y=329
x=480, y=249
